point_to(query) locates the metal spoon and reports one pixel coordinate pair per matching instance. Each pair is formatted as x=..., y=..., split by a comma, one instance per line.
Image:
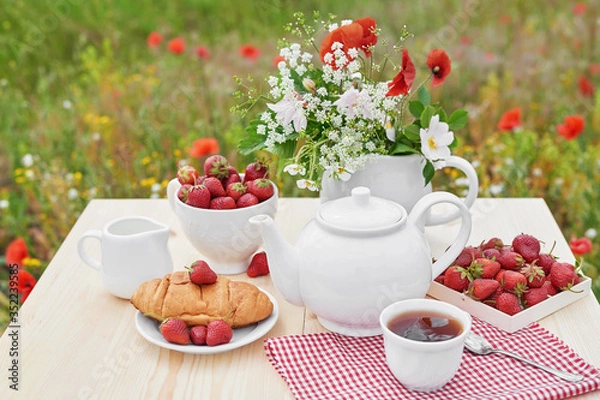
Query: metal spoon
x=480, y=345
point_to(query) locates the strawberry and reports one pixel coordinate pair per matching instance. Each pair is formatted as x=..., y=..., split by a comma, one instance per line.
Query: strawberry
x=216, y=166
x=233, y=177
x=198, y=335
x=534, y=296
x=508, y=303
x=183, y=191
x=493, y=243
x=256, y=170
x=563, y=276
x=481, y=289
x=440, y=278
x=200, y=179
x=259, y=265
x=550, y=289
x=222, y=203
x=527, y=246
x=201, y=273
x=215, y=187
x=514, y=282
x=261, y=188
x=456, y=278
x=198, y=196
x=466, y=257
x=484, y=268
x=247, y=200
x=187, y=175
x=175, y=331
x=500, y=276
x=218, y=332
x=236, y=190
x=492, y=254
x=534, y=274
x=510, y=260
x=545, y=261
x=491, y=300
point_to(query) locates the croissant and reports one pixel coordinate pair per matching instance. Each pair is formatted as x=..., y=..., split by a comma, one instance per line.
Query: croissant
x=175, y=296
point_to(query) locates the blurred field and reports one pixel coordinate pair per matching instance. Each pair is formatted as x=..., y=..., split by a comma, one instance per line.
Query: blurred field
x=89, y=110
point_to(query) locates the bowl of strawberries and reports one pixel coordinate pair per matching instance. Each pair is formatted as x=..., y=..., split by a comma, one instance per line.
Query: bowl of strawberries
x=213, y=209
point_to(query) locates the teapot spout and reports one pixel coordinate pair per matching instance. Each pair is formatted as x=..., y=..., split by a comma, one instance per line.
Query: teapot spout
x=283, y=260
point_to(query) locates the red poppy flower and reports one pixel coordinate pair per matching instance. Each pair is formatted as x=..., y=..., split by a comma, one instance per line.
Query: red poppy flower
x=350, y=36
x=203, y=147
x=510, y=120
x=505, y=19
x=26, y=283
x=579, y=8
x=277, y=60
x=154, y=39
x=16, y=251
x=594, y=69
x=250, y=52
x=580, y=246
x=202, y=52
x=571, y=128
x=176, y=46
x=369, y=37
x=586, y=88
x=466, y=40
x=403, y=81
x=440, y=66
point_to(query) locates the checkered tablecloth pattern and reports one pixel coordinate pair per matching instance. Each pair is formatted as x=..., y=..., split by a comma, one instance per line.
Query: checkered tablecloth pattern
x=329, y=366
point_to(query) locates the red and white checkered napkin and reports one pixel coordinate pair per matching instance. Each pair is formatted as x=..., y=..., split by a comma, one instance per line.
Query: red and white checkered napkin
x=329, y=366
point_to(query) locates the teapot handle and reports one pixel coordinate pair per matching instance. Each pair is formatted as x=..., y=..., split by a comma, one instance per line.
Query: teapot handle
x=466, y=167
x=417, y=217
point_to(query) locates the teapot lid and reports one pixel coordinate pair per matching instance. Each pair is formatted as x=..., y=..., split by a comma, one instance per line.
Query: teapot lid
x=361, y=211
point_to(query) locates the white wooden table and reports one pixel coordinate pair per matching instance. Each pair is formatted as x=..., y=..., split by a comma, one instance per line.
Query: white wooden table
x=79, y=342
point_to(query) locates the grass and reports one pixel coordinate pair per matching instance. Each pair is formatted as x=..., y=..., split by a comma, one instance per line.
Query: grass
x=103, y=115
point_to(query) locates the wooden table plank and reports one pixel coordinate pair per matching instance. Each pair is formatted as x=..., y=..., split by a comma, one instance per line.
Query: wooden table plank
x=78, y=341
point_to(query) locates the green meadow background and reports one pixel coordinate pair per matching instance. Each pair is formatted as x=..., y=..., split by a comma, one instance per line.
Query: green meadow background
x=88, y=110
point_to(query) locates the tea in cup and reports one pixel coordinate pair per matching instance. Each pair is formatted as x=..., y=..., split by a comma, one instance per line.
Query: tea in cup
x=424, y=341
x=134, y=250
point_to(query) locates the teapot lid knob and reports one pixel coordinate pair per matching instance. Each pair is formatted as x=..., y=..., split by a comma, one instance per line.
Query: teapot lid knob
x=361, y=196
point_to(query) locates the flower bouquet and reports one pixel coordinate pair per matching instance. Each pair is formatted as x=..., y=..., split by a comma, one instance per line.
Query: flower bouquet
x=332, y=116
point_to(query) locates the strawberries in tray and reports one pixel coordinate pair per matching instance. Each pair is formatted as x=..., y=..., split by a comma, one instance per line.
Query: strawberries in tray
x=511, y=277
x=221, y=187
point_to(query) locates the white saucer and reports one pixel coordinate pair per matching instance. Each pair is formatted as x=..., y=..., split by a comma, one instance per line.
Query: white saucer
x=148, y=328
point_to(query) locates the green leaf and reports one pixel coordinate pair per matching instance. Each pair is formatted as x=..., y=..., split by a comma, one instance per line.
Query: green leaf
x=428, y=172
x=454, y=143
x=458, y=119
x=253, y=141
x=442, y=114
x=286, y=149
x=424, y=96
x=412, y=132
x=426, y=116
x=401, y=148
x=416, y=108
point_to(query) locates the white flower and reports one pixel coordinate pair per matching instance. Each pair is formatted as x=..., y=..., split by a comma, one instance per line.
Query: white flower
x=346, y=22
x=354, y=103
x=72, y=194
x=590, y=233
x=4, y=204
x=306, y=184
x=155, y=187
x=435, y=141
x=294, y=169
x=92, y=193
x=390, y=131
x=67, y=104
x=496, y=189
x=341, y=173
x=29, y=174
x=288, y=110
x=332, y=27
x=96, y=136
x=27, y=160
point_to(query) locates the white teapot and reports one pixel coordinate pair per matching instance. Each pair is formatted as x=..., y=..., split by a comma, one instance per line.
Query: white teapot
x=358, y=255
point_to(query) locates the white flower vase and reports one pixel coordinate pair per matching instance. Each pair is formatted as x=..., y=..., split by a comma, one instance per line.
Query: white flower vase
x=400, y=179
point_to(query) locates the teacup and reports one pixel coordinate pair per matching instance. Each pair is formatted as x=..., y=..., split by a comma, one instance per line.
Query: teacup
x=422, y=365
x=134, y=250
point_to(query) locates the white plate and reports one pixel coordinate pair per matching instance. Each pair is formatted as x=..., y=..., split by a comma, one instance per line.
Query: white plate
x=148, y=328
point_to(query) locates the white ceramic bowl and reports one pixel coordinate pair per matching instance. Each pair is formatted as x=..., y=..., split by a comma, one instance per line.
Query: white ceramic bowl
x=225, y=238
